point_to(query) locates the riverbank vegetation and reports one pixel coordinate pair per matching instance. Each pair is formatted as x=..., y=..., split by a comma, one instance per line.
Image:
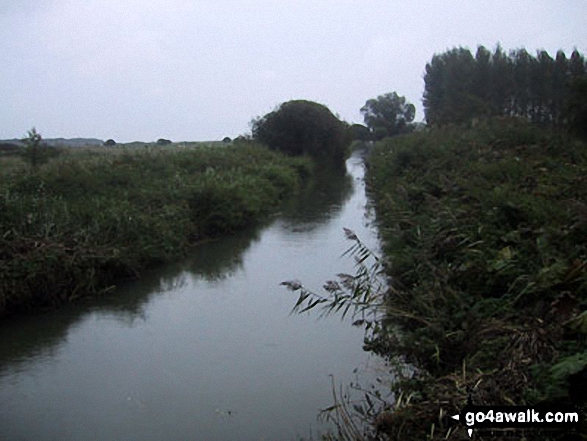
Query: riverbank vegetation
x=301, y=127
x=89, y=218
x=485, y=230
x=483, y=219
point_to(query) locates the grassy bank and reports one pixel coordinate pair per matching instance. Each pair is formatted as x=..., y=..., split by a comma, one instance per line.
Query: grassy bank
x=485, y=233
x=90, y=218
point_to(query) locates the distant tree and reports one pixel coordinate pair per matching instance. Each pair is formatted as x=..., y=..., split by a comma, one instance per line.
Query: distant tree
x=302, y=127
x=35, y=151
x=242, y=139
x=460, y=88
x=227, y=139
x=576, y=106
x=110, y=143
x=360, y=132
x=449, y=91
x=163, y=141
x=388, y=115
x=576, y=65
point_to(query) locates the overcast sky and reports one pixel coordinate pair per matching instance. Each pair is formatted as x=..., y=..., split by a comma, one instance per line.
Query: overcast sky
x=201, y=70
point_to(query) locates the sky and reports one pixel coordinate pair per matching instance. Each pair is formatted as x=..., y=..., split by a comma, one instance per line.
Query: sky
x=199, y=70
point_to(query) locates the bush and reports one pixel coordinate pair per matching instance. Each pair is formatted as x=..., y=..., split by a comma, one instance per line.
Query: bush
x=36, y=152
x=304, y=128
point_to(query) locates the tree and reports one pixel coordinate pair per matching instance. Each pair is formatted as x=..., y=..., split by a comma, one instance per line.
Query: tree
x=460, y=87
x=163, y=141
x=360, y=132
x=388, y=115
x=35, y=151
x=110, y=143
x=576, y=106
x=449, y=90
x=301, y=127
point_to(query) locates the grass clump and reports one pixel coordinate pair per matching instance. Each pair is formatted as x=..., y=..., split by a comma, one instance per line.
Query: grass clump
x=77, y=225
x=485, y=232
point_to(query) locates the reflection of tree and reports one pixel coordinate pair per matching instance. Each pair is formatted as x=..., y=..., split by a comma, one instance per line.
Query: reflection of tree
x=320, y=199
x=219, y=259
x=25, y=338
x=30, y=337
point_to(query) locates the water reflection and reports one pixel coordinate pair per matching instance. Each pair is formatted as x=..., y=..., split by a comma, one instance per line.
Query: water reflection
x=321, y=199
x=201, y=349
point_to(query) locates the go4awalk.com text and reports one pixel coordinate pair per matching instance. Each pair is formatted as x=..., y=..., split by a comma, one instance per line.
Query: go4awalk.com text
x=518, y=417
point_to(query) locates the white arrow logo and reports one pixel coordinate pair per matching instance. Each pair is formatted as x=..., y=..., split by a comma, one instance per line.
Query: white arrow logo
x=457, y=417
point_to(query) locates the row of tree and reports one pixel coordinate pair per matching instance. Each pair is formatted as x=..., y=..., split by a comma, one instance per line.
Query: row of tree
x=460, y=86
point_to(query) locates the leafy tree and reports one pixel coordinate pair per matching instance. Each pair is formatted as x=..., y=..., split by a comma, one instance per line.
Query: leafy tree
x=301, y=127
x=360, y=132
x=576, y=106
x=460, y=87
x=163, y=141
x=227, y=139
x=577, y=65
x=110, y=143
x=35, y=151
x=449, y=94
x=388, y=115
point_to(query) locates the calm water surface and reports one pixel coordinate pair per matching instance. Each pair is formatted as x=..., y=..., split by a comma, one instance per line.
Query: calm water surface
x=201, y=350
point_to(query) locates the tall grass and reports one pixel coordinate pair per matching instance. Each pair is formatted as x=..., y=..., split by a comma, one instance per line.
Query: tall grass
x=485, y=231
x=77, y=225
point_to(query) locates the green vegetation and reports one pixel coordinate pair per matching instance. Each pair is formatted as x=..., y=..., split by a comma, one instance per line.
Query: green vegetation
x=304, y=128
x=460, y=87
x=35, y=152
x=485, y=242
x=486, y=234
x=388, y=115
x=483, y=217
x=92, y=217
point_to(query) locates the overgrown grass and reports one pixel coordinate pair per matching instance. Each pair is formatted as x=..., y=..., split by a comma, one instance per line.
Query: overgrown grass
x=87, y=219
x=485, y=232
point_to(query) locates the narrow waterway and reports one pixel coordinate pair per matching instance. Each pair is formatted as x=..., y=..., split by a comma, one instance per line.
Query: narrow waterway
x=205, y=349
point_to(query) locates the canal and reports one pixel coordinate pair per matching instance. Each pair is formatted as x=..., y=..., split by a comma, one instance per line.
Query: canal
x=203, y=349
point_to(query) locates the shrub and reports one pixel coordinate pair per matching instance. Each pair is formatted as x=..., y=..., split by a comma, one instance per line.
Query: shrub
x=302, y=127
x=36, y=152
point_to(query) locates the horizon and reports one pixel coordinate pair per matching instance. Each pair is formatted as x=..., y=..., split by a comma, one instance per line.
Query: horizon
x=178, y=69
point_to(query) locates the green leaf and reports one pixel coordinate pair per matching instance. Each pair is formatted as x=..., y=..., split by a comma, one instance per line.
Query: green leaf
x=579, y=323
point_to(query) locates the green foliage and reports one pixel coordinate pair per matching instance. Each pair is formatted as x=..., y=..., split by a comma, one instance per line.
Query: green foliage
x=36, y=152
x=110, y=143
x=304, y=128
x=388, y=115
x=360, y=294
x=163, y=141
x=576, y=106
x=486, y=236
x=460, y=88
x=92, y=217
x=360, y=132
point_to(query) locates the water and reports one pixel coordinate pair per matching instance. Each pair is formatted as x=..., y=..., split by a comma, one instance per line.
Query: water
x=205, y=349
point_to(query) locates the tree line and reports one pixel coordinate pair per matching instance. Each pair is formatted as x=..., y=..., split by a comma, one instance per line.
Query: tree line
x=542, y=89
x=459, y=87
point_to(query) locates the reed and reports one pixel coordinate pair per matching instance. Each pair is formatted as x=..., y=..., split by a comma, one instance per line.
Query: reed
x=79, y=224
